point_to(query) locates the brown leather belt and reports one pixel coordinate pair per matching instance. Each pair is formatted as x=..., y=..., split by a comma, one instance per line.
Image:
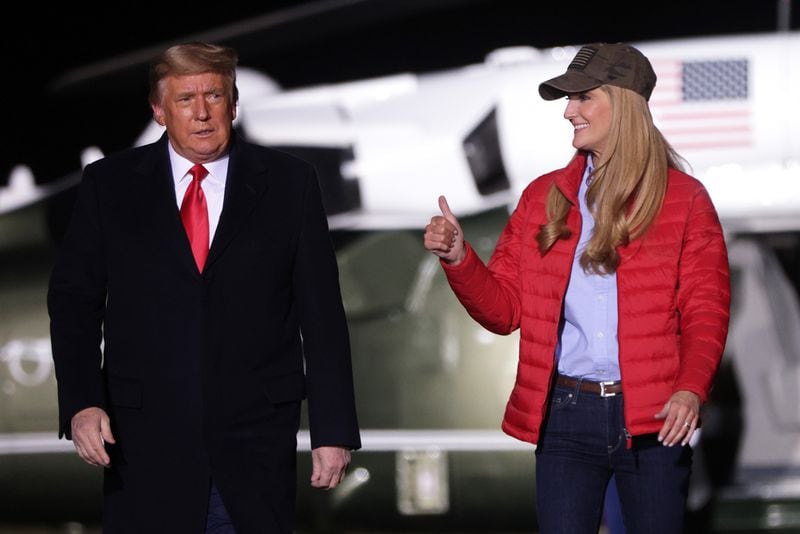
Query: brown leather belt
x=604, y=389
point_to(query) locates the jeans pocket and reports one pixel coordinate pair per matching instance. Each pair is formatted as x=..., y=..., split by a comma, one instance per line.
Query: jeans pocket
x=559, y=400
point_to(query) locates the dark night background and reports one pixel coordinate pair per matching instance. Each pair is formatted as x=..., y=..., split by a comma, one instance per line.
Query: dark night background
x=53, y=111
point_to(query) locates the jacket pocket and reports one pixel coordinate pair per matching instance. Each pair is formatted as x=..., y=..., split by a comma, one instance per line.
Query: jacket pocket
x=286, y=388
x=125, y=392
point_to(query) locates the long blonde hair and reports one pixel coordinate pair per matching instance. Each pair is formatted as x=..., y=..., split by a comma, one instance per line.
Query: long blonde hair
x=627, y=187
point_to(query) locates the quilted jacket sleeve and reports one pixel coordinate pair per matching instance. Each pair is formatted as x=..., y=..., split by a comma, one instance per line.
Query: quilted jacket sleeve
x=703, y=297
x=491, y=295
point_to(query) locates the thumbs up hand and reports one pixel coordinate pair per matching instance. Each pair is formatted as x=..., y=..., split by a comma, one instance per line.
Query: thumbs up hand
x=443, y=235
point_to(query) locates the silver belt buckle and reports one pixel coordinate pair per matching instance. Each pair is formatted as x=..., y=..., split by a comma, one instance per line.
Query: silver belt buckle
x=603, y=389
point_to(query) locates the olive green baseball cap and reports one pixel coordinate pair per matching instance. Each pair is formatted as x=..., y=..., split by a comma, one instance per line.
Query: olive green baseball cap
x=600, y=64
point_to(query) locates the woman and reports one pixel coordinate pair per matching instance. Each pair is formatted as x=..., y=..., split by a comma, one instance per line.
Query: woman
x=614, y=269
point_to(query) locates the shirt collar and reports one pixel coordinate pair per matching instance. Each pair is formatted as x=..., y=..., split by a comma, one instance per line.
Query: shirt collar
x=217, y=169
x=587, y=174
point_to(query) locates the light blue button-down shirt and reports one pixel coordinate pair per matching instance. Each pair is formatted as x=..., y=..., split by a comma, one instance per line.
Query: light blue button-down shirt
x=588, y=346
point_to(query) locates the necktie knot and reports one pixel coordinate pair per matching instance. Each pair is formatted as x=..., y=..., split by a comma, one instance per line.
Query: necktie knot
x=198, y=172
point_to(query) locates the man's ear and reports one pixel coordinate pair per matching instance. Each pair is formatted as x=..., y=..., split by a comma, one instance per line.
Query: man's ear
x=158, y=114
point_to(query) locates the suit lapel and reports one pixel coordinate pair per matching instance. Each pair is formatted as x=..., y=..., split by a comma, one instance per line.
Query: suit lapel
x=167, y=220
x=244, y=186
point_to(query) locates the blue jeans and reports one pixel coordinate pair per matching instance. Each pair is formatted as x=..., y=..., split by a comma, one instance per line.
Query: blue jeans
x=612, y=511
x=582, y=444
x=218, y=521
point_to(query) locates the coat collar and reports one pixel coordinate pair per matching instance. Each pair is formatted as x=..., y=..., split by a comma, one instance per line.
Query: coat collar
x=155, y=169
x=569, y=180
x=244, y=185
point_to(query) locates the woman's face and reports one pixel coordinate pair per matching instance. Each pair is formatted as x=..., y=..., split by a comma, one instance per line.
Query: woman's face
x=590, y=115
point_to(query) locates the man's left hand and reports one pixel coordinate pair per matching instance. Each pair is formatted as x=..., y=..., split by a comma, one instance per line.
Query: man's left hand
x=329, y=465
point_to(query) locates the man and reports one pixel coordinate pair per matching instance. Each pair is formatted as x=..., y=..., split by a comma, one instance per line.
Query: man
x=204, y=265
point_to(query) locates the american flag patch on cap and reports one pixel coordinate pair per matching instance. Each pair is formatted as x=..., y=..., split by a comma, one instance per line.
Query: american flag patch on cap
x=582, y=58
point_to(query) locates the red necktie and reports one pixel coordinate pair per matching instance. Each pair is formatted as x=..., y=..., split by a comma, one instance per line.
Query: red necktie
x=194, y=214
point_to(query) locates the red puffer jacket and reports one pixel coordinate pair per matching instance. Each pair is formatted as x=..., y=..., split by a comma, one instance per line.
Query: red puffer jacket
x=673, y=298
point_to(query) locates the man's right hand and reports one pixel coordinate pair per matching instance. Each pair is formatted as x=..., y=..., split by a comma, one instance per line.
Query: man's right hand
x=443, y=236
x=91, y=428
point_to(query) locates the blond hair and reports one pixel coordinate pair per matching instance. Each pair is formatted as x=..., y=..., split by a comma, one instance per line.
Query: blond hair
x=194, y=58
x=627, y=188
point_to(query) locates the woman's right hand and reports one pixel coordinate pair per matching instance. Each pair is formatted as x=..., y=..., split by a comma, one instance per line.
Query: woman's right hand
x=443, y=235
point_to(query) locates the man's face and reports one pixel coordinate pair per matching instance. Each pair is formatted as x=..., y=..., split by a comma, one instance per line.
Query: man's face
x=198, y=113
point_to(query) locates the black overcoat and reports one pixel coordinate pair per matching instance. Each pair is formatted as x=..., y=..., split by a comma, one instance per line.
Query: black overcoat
x=202, y=374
